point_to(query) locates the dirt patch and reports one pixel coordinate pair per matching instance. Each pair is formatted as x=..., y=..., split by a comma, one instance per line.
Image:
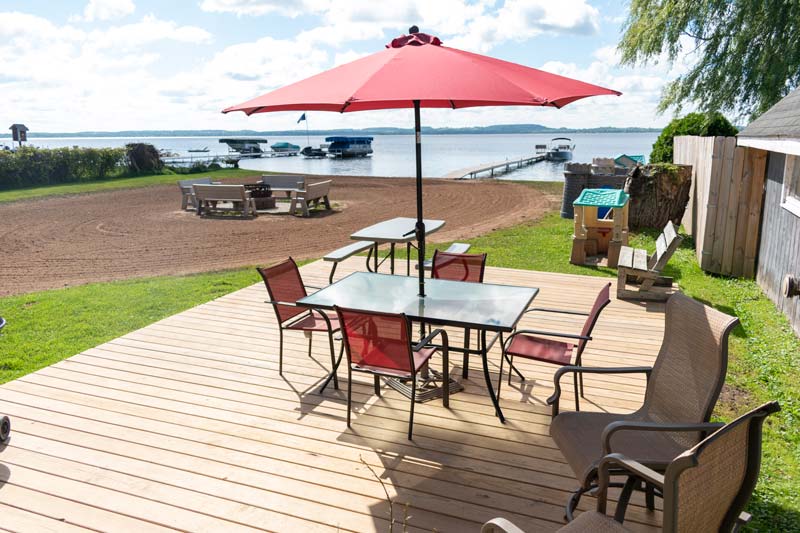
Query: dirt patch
x=734, y=401
x=64, y=241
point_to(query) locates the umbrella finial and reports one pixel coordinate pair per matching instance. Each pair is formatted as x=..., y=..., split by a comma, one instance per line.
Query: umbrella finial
x=413, y=29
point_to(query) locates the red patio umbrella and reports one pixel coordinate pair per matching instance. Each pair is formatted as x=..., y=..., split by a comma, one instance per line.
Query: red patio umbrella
x=417, y=71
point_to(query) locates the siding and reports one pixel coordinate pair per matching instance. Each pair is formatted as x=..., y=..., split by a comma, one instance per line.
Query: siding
x=779, y=251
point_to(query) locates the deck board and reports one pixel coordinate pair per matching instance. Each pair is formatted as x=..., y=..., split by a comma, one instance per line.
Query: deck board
x=186, y=424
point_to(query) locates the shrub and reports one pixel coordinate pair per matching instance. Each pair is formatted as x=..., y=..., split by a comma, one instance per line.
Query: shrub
x=143, y=157
x=703, y=124
x=30, y=167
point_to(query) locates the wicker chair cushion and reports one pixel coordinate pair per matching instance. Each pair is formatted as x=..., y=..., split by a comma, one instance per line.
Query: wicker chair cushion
x=594, y=522
x=577, y=435
x=547, y=350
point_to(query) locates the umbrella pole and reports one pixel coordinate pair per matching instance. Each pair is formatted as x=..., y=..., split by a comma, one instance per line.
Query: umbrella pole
x=420, y=228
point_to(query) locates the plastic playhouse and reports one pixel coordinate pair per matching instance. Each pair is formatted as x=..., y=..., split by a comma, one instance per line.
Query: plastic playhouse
x=601, y=226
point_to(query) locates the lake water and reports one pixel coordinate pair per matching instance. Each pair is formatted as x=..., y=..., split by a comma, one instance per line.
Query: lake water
x=394, y=154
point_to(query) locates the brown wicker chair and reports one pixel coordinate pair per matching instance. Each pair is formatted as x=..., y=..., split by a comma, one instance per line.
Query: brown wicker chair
x=705, y=488
x=682, y=389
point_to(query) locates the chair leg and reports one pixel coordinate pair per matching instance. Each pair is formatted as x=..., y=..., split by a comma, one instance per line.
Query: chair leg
x=577, y=391
x=280, y=351
x=349, y=392
x=625, y=498
x=446, y=377
x=510, y=367
x=333, y=360
x=580, y=379
x=500, y=377
x=650, y=497
x=310, y=338
x=377, y=385
x=465, y=365
x=413, y=401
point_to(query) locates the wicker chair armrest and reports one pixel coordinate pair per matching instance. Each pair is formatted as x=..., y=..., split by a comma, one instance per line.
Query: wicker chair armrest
x=556, y=396
x=621, y=425
x=500, y=525
x=616, y=462
x=427, y=340
x=562, y=311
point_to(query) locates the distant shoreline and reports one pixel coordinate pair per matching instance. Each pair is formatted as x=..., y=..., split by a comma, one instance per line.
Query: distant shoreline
x=502, y=129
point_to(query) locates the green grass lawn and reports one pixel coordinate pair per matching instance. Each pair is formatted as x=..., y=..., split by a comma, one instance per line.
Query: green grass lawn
x=119, y=183
x=48, y=326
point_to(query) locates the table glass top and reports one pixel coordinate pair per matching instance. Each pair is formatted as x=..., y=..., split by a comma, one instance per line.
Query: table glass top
x=454, y=303
x=400, y=229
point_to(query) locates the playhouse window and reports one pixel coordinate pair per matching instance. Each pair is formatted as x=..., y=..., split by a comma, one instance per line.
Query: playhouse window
x=791, y=185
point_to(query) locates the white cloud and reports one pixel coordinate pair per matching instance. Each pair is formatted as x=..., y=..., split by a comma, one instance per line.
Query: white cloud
x=105, y=10
x=289, y=8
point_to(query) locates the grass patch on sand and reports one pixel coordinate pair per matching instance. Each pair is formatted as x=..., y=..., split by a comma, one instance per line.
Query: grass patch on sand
x=119, y=183
x=46, y=327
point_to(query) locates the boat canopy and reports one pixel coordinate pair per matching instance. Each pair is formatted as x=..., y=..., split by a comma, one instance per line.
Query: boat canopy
x=342, y=139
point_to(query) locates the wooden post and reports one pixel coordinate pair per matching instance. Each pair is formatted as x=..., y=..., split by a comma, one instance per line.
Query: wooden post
x=578, y=256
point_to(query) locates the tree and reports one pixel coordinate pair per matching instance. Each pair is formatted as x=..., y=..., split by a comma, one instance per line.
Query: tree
x=704, y=124
x=748, y=50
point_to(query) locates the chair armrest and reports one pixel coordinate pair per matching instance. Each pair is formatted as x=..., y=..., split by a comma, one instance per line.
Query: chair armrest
x=550, y=333
x=276, y=302
x=553, y=400
x=621, y=425
x=562, y=311
x=617, y=461
x=500, y=525
x=313, y=287
x=427, y=340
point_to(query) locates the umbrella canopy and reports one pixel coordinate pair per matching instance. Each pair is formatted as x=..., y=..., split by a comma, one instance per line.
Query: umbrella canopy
x=417, y=71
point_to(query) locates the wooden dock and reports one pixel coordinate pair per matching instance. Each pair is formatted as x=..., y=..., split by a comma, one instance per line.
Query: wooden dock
x=493, y=169
x=186, y=425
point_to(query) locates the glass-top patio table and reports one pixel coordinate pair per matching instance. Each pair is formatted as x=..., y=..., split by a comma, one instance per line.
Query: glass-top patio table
x=394, y=231
x=484, y=307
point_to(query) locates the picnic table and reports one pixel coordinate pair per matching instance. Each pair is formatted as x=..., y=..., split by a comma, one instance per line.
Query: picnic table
x=484, y=307
x=394, y=231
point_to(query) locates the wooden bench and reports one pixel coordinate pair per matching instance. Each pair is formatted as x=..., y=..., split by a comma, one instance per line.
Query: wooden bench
x=337, y=256
x=208, y=197
x=285, y=183
x=314, y=193
x=187, y=192
x=455, y=248
x=636, y=268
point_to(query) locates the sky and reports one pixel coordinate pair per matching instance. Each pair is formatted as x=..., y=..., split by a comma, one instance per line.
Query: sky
x=110, y=65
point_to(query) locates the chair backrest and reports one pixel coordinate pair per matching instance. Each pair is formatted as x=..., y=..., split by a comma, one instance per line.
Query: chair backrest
x=276, y=181
x=220, y=192
x=284, y=284
x=689, y=371
x=380, y=340
x=187, y=184
x=600, y=302
x=317, y=190
x=666, y=244
x=707, y=487
x=458, y=267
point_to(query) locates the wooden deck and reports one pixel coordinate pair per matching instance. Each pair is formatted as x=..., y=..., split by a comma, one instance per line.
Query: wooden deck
x=185, y=424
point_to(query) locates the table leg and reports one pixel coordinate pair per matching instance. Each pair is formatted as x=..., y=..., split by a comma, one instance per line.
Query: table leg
x=391, y=258
x=489, y=386
x=408, y=259
x=375, y=259
x=465, y=365
x=335, y=369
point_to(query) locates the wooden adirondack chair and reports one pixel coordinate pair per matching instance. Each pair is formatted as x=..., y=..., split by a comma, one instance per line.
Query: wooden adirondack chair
x=635, y=268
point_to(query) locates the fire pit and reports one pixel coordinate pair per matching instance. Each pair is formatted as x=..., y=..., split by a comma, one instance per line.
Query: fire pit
x=261, y=194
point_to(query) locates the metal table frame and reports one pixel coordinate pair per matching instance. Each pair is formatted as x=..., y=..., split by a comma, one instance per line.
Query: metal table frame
x=483, y=329
x=388, y=232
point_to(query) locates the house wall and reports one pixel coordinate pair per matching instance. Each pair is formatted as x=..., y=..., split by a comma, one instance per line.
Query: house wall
x=779, y=249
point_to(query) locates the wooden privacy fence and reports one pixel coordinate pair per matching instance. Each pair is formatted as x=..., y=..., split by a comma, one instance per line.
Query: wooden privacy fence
x=724, y=210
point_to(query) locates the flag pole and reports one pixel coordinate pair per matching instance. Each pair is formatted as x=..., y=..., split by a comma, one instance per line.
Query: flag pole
x=308, y=142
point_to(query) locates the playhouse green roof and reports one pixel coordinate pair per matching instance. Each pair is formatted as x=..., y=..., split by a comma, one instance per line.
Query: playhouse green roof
x=602, y=198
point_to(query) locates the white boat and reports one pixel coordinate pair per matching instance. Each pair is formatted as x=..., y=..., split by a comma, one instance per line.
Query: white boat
x=561, y=149
x=247, y=147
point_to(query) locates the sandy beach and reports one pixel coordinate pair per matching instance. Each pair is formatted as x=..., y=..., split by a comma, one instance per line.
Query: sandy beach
x=70, y=240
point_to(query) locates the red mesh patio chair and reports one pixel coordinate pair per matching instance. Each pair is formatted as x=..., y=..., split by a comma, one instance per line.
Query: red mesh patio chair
x=285, y=287
x=526, y=344
x=459, y=267
x=380, y=344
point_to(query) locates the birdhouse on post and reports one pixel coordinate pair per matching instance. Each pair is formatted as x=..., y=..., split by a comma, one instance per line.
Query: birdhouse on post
x=19, y=133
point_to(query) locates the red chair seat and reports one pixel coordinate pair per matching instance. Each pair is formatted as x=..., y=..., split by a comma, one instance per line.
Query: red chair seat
x=314, y=322
x=420, y=358
x=546, y=350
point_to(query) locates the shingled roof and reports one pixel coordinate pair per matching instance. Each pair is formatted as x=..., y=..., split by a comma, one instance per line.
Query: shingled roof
x=780, y=122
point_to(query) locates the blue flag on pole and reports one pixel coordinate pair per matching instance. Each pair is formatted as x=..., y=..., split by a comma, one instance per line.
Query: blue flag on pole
x=302, y=118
